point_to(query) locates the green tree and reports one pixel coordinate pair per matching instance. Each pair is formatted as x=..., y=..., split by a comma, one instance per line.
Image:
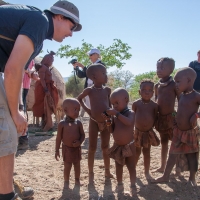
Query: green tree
x=113, y=55
x=121, y=78
x=74, y=88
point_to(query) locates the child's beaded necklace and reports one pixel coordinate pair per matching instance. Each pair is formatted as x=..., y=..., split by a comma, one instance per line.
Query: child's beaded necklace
x=165, y=83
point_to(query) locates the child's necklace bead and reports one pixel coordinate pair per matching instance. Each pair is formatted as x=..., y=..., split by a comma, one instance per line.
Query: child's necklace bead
x=185, y=93
x=98, y=88
x=165, y=83
x=145, y=102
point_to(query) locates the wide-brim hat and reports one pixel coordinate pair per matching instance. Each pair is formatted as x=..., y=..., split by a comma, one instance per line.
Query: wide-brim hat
x=67, y=9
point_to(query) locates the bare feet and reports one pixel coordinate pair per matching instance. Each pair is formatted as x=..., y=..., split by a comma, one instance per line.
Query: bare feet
x=66, y=185
x=160, y=180
x=148, y=177
x=120, y=188
x=108, y=174
x=91, y=178
x=133, y=190
x=77, y=182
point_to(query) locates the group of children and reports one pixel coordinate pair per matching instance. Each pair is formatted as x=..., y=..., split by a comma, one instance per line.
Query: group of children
x=132, y=129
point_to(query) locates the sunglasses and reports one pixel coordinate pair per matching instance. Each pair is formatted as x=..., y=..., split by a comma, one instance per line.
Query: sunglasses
x=92, y=54
x=75, y=25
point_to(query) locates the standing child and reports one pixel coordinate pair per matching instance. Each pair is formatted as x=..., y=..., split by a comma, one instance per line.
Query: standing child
x=165, y=96
x=145, y=116
x=70, y=132
x=185, y=134
x=123, y=149
x=99, y=102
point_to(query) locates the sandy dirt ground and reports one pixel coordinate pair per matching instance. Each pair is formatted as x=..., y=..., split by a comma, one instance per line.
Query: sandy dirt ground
x=38, y=168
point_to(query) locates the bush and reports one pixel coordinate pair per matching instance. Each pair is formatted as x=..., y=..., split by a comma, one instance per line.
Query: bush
x=73, y=89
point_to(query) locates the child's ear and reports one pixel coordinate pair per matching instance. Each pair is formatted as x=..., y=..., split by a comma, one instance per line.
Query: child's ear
x=126, y=99
x=189, y=80
x=139, y=91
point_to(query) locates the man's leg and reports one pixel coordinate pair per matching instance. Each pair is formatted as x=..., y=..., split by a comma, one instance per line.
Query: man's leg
x=93, y=135
x=6, y=174
x=23, y=140
x=105, y=140
x=24, y=95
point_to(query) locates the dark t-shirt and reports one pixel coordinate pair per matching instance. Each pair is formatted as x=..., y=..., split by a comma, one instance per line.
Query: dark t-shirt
x=196, y=66
x=23, y=20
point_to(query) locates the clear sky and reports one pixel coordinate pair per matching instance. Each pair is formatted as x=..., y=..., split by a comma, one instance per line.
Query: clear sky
x=153, y=29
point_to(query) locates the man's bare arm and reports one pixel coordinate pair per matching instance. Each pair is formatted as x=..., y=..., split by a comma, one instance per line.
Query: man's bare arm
x=14, y=69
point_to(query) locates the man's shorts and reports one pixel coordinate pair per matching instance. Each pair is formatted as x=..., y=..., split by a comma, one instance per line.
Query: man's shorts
x=8, y=131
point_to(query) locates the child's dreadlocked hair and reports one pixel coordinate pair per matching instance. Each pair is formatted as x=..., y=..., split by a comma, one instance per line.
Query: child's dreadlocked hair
x=146, y=81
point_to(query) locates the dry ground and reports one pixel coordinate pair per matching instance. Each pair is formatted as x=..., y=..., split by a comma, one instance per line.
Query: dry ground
x=38, y=168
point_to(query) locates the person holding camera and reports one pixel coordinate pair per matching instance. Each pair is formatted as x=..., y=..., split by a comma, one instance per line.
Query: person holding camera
x=95, y=57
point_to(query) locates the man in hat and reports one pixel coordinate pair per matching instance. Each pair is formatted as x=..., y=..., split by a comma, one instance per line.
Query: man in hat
x=22, y=32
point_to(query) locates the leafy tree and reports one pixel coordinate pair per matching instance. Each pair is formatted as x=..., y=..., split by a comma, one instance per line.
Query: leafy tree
x=113, y=55
x=121, y=79
x=74, y=88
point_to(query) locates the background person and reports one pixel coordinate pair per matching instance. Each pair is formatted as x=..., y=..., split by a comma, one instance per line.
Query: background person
x=28, y=75
x=196, y=66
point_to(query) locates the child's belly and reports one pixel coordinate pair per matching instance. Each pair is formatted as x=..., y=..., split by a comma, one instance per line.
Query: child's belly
x=123, y=137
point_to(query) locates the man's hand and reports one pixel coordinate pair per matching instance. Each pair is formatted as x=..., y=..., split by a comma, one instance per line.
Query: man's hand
x=20, y=123
x=76, y=143
x=78, y=64
x=57, y=155
x=111, y=111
